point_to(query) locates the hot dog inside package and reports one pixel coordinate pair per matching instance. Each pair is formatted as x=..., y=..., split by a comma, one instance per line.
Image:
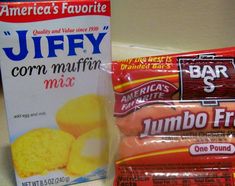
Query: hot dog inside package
x=51, y=53
x=174, y=120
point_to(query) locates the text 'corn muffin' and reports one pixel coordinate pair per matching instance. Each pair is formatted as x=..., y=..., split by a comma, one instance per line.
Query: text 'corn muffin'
x=41, y=150
x=88, y=152
x=81, y=115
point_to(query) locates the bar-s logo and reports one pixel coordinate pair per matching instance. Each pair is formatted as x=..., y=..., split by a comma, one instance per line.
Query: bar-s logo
x=208, y=74
x=207, y=77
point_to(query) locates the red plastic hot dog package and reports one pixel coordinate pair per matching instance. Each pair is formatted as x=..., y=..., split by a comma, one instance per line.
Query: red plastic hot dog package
x=174, y=120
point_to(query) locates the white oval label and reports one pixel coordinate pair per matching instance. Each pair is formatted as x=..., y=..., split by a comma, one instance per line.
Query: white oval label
x=212, y=148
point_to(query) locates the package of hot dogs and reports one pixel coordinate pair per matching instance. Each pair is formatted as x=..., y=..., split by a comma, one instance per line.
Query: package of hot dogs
x=174, y=120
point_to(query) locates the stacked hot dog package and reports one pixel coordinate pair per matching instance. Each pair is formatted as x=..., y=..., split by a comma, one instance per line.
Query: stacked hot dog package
x=175, y=117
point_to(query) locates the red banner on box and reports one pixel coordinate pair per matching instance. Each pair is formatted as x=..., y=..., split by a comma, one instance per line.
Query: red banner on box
x=46, y=10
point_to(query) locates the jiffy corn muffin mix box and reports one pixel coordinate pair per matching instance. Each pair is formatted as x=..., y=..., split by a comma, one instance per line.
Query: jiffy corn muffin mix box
x=50, y=53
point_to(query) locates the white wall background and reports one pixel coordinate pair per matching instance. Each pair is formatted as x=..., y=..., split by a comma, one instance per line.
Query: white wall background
x=177, y=24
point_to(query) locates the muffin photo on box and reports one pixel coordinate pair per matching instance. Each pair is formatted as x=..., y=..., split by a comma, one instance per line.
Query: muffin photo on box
x=81, y=114
x=88, y=152
x=41, y=150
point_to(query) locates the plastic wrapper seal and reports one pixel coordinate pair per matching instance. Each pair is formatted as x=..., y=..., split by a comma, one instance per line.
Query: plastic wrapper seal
x=172, y=119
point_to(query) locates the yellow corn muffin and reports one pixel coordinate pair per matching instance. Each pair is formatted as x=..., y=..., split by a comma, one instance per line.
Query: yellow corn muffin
x=41, y=150
x=88, y=152
x=80, y=115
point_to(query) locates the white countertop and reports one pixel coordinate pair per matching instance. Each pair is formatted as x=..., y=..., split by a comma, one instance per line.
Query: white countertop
x=120, y=51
